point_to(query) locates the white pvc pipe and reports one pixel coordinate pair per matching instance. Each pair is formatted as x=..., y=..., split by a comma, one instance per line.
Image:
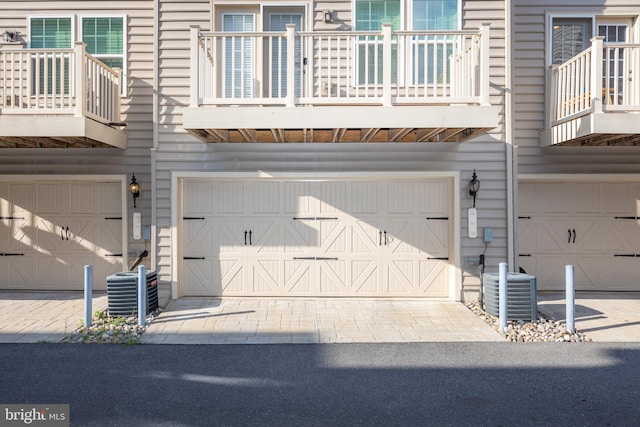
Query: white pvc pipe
x=142, y=293
x=502, y=288
x=570, y=298
x=88, y=294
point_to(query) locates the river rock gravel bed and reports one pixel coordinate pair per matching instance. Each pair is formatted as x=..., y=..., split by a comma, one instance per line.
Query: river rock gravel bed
x=111, y=330
x=545, y=329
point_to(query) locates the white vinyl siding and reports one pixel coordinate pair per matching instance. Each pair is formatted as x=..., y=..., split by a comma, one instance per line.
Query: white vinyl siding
x=137, y=109
x=239, y=56
x=180, y=151
x=532, y=27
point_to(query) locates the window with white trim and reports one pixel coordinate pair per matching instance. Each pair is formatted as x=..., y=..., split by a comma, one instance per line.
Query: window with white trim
x=369, y=16
x=239, y=73
x=279, y=22
x=428, y=55
x=104, y=37
x=431, y=54
x=569, y=37
x=105, y=40
x=50, y=74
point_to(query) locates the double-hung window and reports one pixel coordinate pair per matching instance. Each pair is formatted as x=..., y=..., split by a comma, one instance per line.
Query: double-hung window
x=430, y=53
x=104, y=37
x=569, y=37
x=50, y=69
x=369, y=16
x=105, y=40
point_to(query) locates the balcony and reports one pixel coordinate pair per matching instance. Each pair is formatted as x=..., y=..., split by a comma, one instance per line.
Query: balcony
x=594, y=98
x=58, y=98
x=340, y=86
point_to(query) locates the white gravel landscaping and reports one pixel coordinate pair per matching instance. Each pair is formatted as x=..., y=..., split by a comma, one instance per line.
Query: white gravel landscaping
x=544, y=329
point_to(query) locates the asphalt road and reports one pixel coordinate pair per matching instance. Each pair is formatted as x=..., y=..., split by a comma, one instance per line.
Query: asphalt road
x=425, y=384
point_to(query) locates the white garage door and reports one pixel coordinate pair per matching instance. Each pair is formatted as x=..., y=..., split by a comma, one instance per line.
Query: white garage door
x=50, y=230
x=315, y=238
x=593, y=226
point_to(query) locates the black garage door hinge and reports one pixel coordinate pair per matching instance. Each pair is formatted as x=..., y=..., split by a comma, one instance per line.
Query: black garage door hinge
x=193, y=257
x=191, y=218
x=11, y=217
x=113, y=218
x=11, y=254
x=442, y=258
x=438, y=218
x=628, y=255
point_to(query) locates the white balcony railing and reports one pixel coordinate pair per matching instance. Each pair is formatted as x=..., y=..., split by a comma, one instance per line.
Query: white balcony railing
x=58, y=82
x=603, y=78
x=339, y=67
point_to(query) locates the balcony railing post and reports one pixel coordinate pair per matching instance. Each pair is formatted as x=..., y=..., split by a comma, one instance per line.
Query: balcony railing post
x=597, y=47
x=551, y=101
x=116, y=95
x=485, y=46
x=194, y=72
x=80, y=80
x=291, y=65
x=386, y=64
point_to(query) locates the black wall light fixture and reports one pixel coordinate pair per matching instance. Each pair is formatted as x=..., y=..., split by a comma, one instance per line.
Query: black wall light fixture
x=327, y=16
x=134, y=189
x=9, y=36
x=474, y=186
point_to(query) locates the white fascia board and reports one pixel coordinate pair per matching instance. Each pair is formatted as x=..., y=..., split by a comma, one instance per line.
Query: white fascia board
x=328, y=117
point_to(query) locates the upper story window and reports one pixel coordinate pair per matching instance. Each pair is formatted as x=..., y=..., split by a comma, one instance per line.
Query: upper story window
x=239, y=75
x=426, y=55
x=104, y=37
x=105, y=40
x=50, y=33
x=50, y=76
x=569, y=36
x=435, y=14
x=371, y=14
x=425, y=14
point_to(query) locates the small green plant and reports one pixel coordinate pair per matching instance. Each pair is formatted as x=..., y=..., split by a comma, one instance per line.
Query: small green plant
x=119, y=321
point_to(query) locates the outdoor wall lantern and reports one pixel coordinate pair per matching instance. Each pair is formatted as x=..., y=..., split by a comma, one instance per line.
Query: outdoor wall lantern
x=327, y=16
x=9, y=36
x=474, y=186
x=134, y=188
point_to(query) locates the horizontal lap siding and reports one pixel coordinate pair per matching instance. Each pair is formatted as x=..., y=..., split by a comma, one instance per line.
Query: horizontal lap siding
x=529, y=95
x=179, y=151
x=137, y=107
